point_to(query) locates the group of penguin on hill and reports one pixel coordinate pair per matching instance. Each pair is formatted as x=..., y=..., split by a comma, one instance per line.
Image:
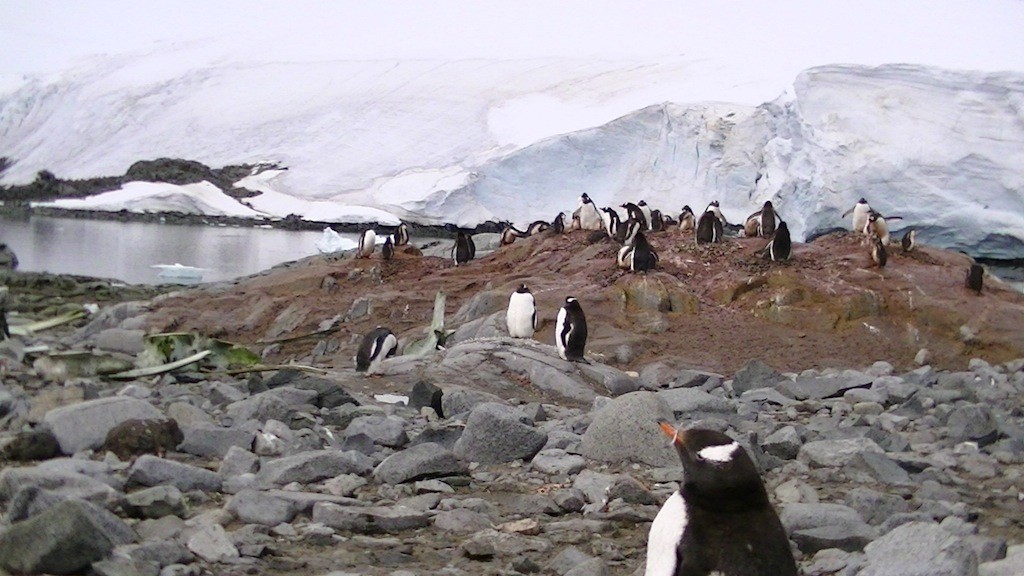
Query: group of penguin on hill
x=720, y=520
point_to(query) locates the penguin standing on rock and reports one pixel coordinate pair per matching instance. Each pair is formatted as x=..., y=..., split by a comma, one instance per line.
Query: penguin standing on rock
x=402, y=235
x=909, y=240
x=762, y=222
x=974, y=279
x=367, y=244
x=780, y=247
x=720, y=521
x=878, y=253
x=860, y=212
x=571, y=331
x=387, y=251
x=378, y=344
x=648, y=213
x=709, y=227
x=558, y=224
x=643, y=257
x=687, y=222
x=521, y=316
x=464, y=249
x=590, y=217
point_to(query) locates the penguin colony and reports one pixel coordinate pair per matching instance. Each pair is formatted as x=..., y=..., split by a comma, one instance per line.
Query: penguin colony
x=720, y=521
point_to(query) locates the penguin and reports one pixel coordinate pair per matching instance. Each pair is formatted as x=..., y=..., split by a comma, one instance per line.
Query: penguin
x=571, y=330
x=648, y=213
x=687, y=222
x=536, y=227
x=464, y=250
x=975, y=277
x=780, y=246
x=402, y=235
x=860, y=212
x=878, y=253
x=634, y=211
x=713, y=206
x=628, y=231
x=720, y=521
x=367, y=243
x=909, y=240
x=762, y=222
x=709, y=228
x=558, y=224
x=611, y=221
x=624, y=258
x=521, y=316
x=590, y=217
x=575, y=224
x=509, y=235
x=388, y=250
x=657, y=221
x=644, y=257
x=877, y=226
x=378, y=344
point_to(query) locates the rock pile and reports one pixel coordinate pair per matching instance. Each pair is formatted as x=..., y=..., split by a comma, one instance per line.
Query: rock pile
x=505, y=459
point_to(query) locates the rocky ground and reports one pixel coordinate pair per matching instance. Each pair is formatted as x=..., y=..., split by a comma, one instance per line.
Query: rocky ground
x=882, y=404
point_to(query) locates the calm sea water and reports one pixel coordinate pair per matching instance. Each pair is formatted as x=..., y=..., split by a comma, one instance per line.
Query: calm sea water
x=127, y=251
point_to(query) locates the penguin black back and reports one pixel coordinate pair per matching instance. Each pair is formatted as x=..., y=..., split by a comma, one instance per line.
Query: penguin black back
x=781, y=245
x=464, y=250
x=974, y=279
x=728, y=525
x=709, y=228
x=767, y=219
x=644, y=256
x=657, y=221
x=878, y=253
x=558, y=224
x=402, y=235
x=636, y=213
x=388, y=250
x=571, y=330
x=909, y=240
x=378, y=344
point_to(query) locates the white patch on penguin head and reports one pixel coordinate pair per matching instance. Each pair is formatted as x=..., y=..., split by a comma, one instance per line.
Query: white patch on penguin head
x=720, y=453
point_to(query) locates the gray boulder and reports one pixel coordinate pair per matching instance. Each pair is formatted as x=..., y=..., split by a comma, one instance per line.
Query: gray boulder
x=626, y=430
x=920, y=549
x=208, y=441
x=756, y=374
x=149, y=470
x=312, y=466
x=494, y=433
x=255, y=507
x=974, y=422
x=426, y=460
x=556, y=461
x=458, y=400
x=65, y=483
x=370, y=519
x=85, y=425
x=155, y=502
x=382, y=430
x=824, y=453
x=65, y=539
x=820, y=387
x=686, y=401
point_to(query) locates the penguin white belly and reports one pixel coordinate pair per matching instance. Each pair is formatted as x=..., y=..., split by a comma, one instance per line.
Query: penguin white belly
x=521, y=315
x=377, y=355
x=590, y=218
x=860, y=217
x=663, y=539
x=560, y=340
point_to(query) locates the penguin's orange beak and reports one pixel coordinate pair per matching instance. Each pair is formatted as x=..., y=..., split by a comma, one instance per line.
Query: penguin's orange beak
x=671, y=432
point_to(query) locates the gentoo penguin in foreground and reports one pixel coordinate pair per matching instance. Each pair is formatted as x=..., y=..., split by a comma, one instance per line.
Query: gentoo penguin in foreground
x=762, y=222
x=878, y=227
x=402, y=235
x=590, y=217
x=558, y=224
x=633, y=211
x=860, y=215
x=780, y=246
x=909, y=240
x=974, y=279
x=687, y=222
x=878, y=253
x=378, y=344
x=612, y=223
x=709, y=228
x=521, y=316
x=387, y=251
x=571, y=331
x=509, y=235
x=720, y=520
x=464, y=249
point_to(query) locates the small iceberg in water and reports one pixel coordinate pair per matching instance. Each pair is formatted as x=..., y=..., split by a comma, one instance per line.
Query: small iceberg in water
x=332, y=242
x=180, y=273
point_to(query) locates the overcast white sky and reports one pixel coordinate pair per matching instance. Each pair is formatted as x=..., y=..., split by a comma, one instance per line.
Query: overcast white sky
x=48, y=35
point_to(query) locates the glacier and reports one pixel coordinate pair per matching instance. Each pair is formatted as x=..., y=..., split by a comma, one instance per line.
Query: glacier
x=449, y=141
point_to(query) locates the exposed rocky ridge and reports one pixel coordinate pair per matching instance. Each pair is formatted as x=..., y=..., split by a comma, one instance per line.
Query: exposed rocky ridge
x=509, y=460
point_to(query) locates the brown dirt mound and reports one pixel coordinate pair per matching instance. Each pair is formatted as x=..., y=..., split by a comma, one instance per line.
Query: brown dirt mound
x=711, y=307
